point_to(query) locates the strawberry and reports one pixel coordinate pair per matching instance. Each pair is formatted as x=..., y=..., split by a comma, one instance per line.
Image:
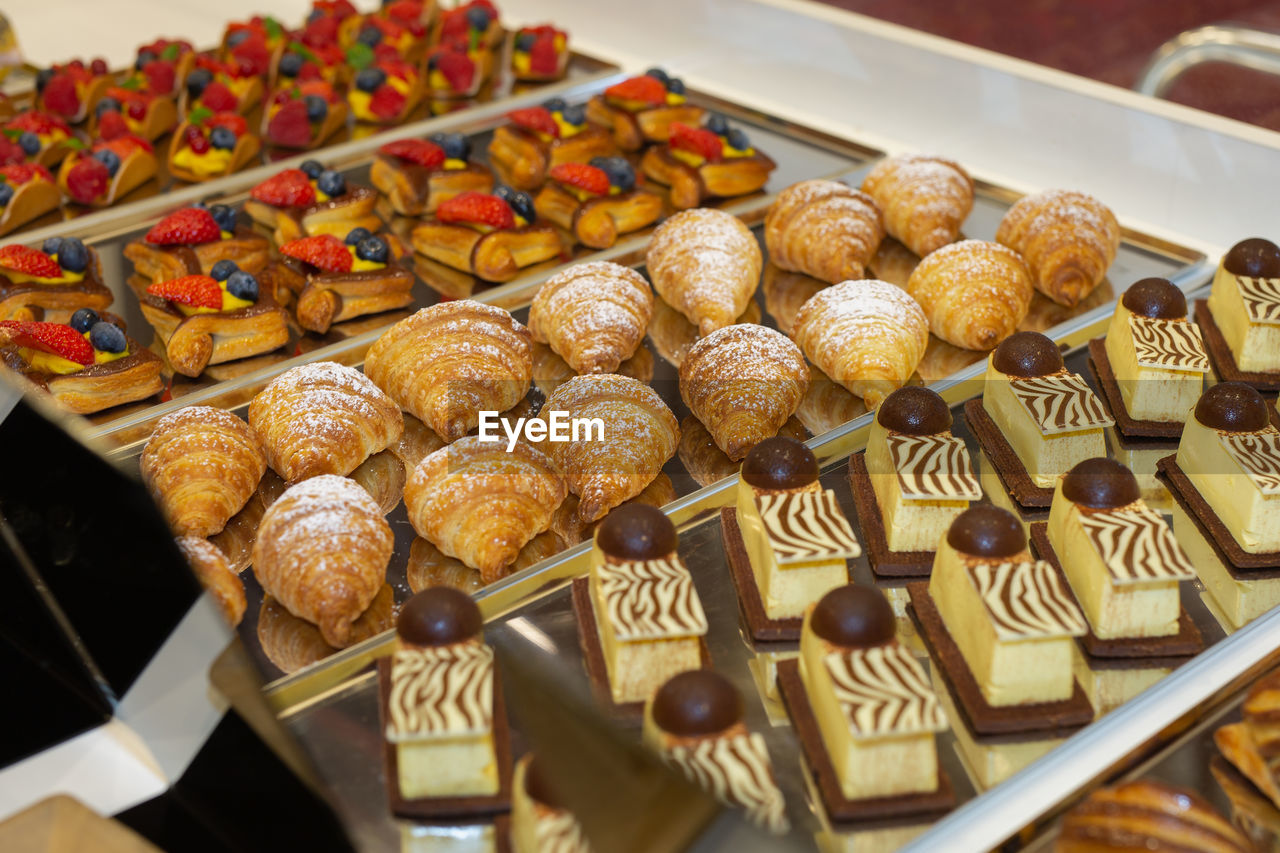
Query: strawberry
x=477, y=208
x=582, y=176
x=318, y=87
x=699, y=140
x=419, y=151
x=233, y=122
x=20, y=173
x=123, y=146
x=160, y=75
x=645, y=89
x=537, y=119
x=290, y=188
x=185, y=227
x=290, y=126
x=87, y=180
x=198, y=291
x=111, y=125
x=28, y=261
x=324, y=251
x=60, y=95
x=38, y=122
x=54, y=338
x=543, y=58
x=386, y=102
x=218, y=97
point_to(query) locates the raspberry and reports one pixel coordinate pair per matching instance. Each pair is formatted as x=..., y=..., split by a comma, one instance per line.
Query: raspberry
x=60, y=96
x=386, y=102
x=111, y=125
x=87, y=180
x=196, y=140
x=160, y=76
x=291, y=127
x=217, y=97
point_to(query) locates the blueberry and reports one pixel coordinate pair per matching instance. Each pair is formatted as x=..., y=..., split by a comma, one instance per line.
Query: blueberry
x=72, y=255
x=311, y=168
x=30, y=143
x=524, y=43
x=222, y=137
x=355, y=235
x=522, y=204
x=675, y=86
x=503, y=192
x=370, y=79
x=225, y=216
x=554, y=105
x=6, y=193
x=370, y=36
x=43, y=76
x=575, y=115
x=738, y=139
x=290, y=65
x=108, y=158
x=237, y=38
x=658, y=74
x=717, y=124
x=621, y=174
x=84, y=319
x=331, y=183
x=316, y=14
x=455, y=145
x=317, y=107
x=197, y=80
x=242, y=285
x=373, y=249
x=51, y=246
x=478, y=18
x=143, y=58
x=222, y=270
x=106, y=105
x=107, y=337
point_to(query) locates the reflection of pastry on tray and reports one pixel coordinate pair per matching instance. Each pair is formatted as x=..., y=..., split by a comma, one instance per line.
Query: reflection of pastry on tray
x=215, y=574
x=383, y=476
x=108, y=170
x=785, y=292
x=975, y=292
x=292, y=643
x=416, y=442
x=711, y=162
x=539, y=54
x=191, y=240
x=706, y=462
x=672, y=334
x=236, y=539
x=416, y=175
x=539, y=818
x=1045, y=314
x=1244, y=306
x=598, y=202
x=52, y=282
x=27, y=192
x=640, y=110
x=336, y=279
x=1067, y=238
x=924, y=199
x=303, y=115
x=537, y=139
x=827, y=405
x=309, y=201
x=212, y=146
x=492, y=237
x=942, y=359
x=592, y=315
x=550, y=370
x=824, y=229
x=429, y=567
x=893, y=262
x=1146, y=815
x=706, y=264
x=572, y=529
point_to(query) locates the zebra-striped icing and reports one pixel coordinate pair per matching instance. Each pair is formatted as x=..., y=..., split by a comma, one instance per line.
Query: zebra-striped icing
x=1258, y=453
x=651, y=600
x=440, y=691
x=1136, y=545
x=933, y=467
x=1060, y=402
x=882, y=691
x=558, y=831
x=736, y=769
x=806, y=526
x=1261, y=297
x=1168, y=344
x=1026, y=600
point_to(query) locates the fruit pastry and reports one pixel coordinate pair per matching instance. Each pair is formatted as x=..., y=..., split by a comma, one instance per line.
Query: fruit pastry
x=248, y=46
x=642, y=109
x=201, y=321
x=192, y=239
x=71, y=90
x=457, y=68
x=337, y=279
x=1242, y=315
x=299, y=62
x=309, y=201
x=212, y=145
x=925, y=199
x=216, y=87
x=385, y=91
x=134, y=111
x=475, y=22
x=416, y=175
x=539, y=54
x=52, y=282
x=597, y=202
x=706, y=264
x=108, y=170
x=491, y=237
x=27, y=192
x=165, y=61
x=537, y=139
x=540, y=819
x=303, y=115
x=1149, y=816
x=1068, y=240
x=399, y=27
x=593, y=315
x=86, y=365
x=714, y=161
x=43, y=137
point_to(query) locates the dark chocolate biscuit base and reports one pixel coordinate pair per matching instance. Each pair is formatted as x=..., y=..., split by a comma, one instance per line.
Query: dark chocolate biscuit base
x=886, y=563
x=1105, y=378
x=750, y=602
x=1240, y=563
x=1220, y=354
x=1013, y=474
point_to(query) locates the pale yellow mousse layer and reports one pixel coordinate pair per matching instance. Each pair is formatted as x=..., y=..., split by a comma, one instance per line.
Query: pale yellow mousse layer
x=1108, y=689
x=1044, y=455
x=1251, y=517
x=910, y=524
x=1240, y=601
x=1254, y=346
x=1153, y=393
x=535, y=827
x=1141, y=460
x=995, y=490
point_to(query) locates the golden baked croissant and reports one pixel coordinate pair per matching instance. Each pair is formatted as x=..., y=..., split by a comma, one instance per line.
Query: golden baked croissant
x=570, y=527
x=323, y=418
x=292, y=643
x=706, y=264
x=322, y=552
x=672, y=334
x=481, y=504
x=925, y=200
x=428, y=567
x=785, y=292
x=416, y=442
x=868, y=335
x=639, y=435
x=550, y=371
x=975, y=293
x=825, y=229
x=743, y=382
x=449, y=362
x=1068, y=240
x=593, y=315
x=201, y=465
x=217, y=577
x=707, y=463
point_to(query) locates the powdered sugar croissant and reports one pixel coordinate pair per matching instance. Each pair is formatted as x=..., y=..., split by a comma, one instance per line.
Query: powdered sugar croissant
x=1067, y=238
x=593, y=315
x=825, y=229
x=925, y=200
x=975, y=293
x=706, y=264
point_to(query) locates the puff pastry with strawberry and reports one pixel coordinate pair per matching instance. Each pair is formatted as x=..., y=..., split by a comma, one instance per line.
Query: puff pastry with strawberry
x=597, y=202
x=311, y=200
x=51, y=282
x=86, y=364
x=43, y=138
x=385, y=91
x=220, y=88
x=137, y=111
x=27, y=192
x=701, y=163
x=416, y=175
x=165, y=59
x=492, y=237
x=211, y=145
x=303, y=115
x=536, y=139
x=642, y=109
x=191, y=240
x=539, y=54
x=70, y=90
x=108, y=170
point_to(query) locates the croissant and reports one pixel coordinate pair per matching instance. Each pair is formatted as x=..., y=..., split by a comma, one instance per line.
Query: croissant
x=447, y=363
x=925, y=200
x=1067, y=238
x=201, y=465
x=868, y=335
x=428, y=567
x=824, y=229
x=572, y=529
x=323, y=418
x=743, y=382
x=481, y=504
x=593, y=315
x=292, y=643
x=216, y=576
x=639, y=435
x=706, y=264
x=785, y=292
x=975, y=293
x=322, y=552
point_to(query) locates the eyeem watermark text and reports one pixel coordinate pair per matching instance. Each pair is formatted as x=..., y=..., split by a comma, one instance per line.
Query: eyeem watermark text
x=550, y=426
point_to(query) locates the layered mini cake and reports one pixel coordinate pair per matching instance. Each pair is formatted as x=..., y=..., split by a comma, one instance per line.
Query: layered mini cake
x=1244, y=305
x=539, y=819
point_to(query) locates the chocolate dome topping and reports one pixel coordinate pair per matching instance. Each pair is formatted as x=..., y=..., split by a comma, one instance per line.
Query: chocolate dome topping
x=1157, y=298
x=853, y=616
x=1255, y=257
x=1232, y=407
x=987, y=531
x=1027, y=354
x=537, y=786
x=636, y=532
x=915, y=411
x=697, y=702
x=780, y=463
x=1100, y=483
x=438, y=616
